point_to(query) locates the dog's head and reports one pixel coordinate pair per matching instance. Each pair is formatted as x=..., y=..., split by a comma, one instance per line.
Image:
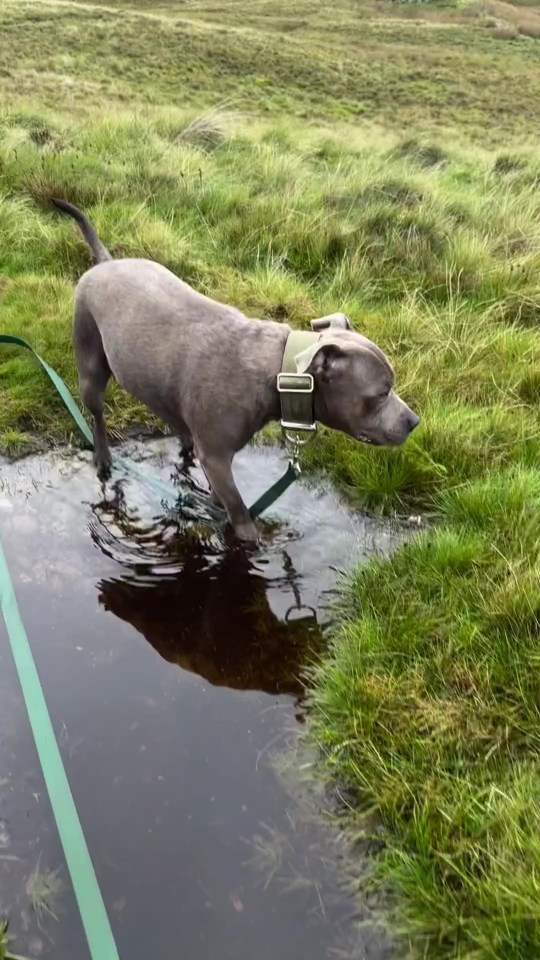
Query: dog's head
x=354, y=388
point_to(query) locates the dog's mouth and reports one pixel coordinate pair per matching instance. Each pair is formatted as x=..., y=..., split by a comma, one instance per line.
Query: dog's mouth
x=363, y=438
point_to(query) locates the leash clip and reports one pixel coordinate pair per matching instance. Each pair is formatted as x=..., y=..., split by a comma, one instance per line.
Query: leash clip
x=295, y=441
x=298, y=608
x=298, y=425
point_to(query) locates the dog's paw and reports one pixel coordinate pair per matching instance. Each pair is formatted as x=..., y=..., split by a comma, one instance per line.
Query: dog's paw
x=247, y=532
x=104, y=470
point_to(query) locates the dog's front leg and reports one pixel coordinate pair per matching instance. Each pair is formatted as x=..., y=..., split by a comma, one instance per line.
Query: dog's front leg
x=218, y=470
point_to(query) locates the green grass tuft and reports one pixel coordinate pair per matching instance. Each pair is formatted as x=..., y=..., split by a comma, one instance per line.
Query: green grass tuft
x=429, y=709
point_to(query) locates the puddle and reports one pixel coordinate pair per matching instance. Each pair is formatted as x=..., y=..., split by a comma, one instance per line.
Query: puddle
x=171, y=669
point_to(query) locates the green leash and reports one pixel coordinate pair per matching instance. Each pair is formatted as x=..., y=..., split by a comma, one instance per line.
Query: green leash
x=99, y=935
x=94, y=916
x=97, y=928
x=57, y=381
x=276, y=490
x=263, y=503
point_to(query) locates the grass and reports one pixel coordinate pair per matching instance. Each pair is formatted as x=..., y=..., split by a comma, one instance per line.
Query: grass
x=428, y=237
x=428, y=709
x=444, y=67
x=5, y=953
x=43, y=890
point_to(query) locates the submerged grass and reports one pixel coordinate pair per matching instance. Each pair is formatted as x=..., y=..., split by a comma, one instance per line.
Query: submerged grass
x=427, y=703
x=44, y=889
x=5, y=953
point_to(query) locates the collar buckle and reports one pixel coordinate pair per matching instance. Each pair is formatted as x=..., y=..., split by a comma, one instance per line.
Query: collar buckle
x=296, y=398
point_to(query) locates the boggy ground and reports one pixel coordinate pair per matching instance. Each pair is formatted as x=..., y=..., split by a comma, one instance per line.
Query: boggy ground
x=380, y=161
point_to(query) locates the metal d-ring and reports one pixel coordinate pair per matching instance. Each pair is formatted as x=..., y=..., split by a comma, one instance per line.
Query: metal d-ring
x=297, y=441
x=297, y=608
x=295, y=438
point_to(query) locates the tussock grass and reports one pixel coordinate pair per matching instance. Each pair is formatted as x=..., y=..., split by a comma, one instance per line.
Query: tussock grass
x=415, y=255
x=508, y=20
x=428, y=707
x=427, y=703
x=427, y=67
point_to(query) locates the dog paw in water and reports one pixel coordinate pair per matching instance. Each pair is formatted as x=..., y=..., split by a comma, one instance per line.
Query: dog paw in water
x=104, y=468
x=247, y=532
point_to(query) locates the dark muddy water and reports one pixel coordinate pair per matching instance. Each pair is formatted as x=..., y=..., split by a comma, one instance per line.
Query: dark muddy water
x=171, y=663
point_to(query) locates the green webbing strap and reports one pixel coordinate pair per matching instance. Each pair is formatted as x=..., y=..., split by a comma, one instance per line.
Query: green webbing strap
x=163, y=489
x=65, y=395
x=85, y=885
x=296, y=387
x=94, y=916
x=276, y=490
x=297, y=342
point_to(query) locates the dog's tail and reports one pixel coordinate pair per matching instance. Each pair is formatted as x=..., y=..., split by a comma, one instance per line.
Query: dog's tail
x=99, y=250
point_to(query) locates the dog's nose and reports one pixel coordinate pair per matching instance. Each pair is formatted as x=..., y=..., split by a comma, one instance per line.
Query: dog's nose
x=413, y=421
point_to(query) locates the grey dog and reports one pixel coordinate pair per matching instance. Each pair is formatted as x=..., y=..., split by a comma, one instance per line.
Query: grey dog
x=210, y=372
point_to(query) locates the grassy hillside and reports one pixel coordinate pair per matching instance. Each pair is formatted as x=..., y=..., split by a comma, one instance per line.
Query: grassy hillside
x=395, y=65
x=378, y=159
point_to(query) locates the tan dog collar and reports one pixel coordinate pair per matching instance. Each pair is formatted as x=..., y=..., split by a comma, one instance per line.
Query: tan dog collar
x=296, y=389
x=296, y=386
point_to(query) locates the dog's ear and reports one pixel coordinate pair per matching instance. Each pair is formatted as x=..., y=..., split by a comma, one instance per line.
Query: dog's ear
x=338, y=320
x=319, y=358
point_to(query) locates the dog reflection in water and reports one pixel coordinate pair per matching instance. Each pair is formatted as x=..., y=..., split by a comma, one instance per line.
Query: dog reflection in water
x=203, y=606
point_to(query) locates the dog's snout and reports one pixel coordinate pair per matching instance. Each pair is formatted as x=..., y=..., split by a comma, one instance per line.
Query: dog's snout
x=412, y=421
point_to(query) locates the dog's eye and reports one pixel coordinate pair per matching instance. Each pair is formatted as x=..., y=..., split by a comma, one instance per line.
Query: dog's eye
x=383, y=395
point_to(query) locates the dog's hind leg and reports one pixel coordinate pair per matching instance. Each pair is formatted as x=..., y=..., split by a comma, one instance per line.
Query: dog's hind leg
x=94, y=375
